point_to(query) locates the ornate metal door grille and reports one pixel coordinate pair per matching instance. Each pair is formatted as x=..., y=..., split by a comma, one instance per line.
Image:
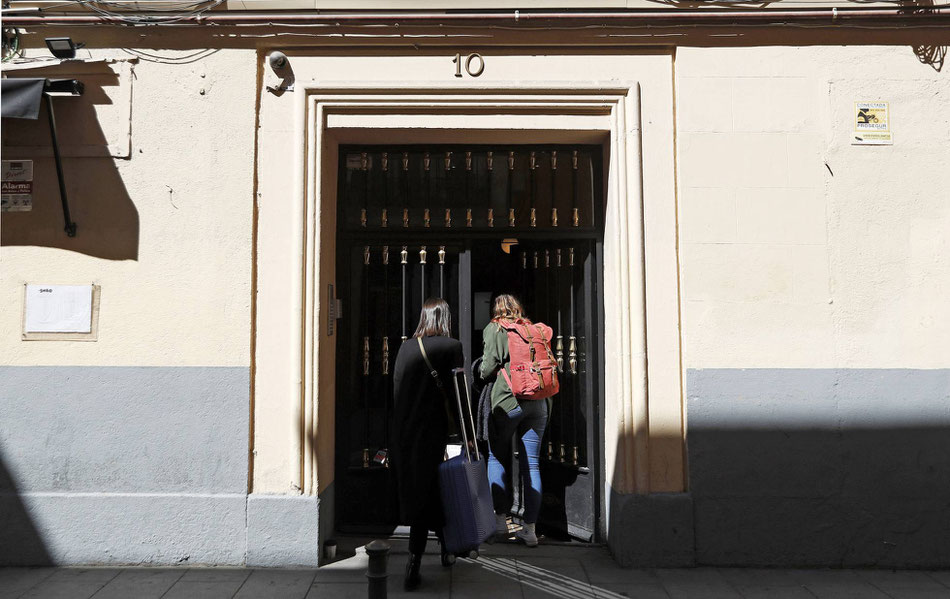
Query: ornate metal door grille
x=460, y=223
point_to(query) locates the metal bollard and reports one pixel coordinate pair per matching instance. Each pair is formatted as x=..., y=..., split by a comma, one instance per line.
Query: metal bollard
x=376, y=572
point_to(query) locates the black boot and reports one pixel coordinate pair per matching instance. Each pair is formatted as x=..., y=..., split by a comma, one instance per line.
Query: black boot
x=413, y=579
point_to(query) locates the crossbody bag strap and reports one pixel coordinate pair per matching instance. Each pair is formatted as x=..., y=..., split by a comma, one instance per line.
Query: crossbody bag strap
x=438, y=382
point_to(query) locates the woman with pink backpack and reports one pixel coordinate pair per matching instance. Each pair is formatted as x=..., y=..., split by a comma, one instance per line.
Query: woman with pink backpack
x=517, y=355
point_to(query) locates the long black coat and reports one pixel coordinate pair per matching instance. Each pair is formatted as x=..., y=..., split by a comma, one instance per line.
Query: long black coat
x=420, y=426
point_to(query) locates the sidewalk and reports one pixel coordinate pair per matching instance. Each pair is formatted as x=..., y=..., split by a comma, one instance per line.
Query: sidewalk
x=502, y=571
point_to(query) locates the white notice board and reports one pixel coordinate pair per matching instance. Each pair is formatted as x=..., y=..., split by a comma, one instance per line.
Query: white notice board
x=58, y=309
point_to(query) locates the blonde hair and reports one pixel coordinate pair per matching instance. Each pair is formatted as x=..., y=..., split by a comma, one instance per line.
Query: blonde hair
x=507, y=307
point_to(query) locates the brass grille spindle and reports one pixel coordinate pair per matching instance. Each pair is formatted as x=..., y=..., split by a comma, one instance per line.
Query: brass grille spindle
x=404, y=260
x=468, y=173
x=448, y=167
x=575, y=215
x=386, y=338
x=405, y=174
x=489, y=161
x=533, y=165
x=425, y=165
x=511, y=173
x=364, y=166
x=572, y=344
x=365, y=356
x=366, y=359
x=384, y=161
x=553, y=181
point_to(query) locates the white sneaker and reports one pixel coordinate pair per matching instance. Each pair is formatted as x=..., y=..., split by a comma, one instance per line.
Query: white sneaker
x=527, y=535
x=501, y=525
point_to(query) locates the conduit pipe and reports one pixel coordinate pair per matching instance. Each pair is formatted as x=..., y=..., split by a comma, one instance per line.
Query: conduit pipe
x=828, y=16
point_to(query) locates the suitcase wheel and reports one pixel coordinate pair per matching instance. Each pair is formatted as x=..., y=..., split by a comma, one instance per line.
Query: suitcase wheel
x=473, y=554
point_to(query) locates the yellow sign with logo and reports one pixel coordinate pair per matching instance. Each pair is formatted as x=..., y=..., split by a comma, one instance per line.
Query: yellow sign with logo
x=872, y=124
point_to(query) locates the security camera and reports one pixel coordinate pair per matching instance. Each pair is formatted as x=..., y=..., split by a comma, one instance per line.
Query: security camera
x=277, y=60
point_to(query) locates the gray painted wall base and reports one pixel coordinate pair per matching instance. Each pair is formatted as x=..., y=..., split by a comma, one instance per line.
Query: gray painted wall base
x=814, y=467
x=282, y=531
x=158, y=530
x=118, y=528
x=651, y=530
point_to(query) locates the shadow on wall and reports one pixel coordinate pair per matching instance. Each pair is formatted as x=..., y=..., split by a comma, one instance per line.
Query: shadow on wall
x=820, y=467
x=17, y=528
x=107, y=220
x=929, y=54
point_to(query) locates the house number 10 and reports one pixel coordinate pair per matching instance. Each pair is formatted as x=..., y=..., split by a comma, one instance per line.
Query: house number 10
x=474, y=64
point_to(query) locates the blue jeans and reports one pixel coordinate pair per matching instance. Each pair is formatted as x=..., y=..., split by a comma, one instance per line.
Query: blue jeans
x=528, y=428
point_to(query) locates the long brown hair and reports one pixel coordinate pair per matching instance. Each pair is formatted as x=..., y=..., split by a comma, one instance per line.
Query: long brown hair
x=507, y=307
x=435, y=319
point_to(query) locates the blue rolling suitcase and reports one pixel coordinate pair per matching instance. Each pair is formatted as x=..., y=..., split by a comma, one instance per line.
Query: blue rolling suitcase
x=463, y=481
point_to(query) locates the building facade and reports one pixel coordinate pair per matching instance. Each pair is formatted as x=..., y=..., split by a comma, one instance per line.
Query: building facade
x=742, y=215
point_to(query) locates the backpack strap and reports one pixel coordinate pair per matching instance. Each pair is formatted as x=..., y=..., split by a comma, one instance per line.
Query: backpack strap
x=547, y=346
x=438, y=381
x=504, y=373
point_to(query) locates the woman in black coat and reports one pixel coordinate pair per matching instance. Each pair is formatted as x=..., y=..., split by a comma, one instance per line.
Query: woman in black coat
x=421, y=428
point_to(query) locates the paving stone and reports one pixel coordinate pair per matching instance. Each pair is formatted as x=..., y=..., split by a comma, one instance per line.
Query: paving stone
x=941, y=576
x=216, y=575
x=901, y=584
x=500, y=570
x=698, y=583
x=85, y=574
x=845, y=589
x=16, y=581
x=276, y=584
x=557, y=570
x=616, y=590
x=750, y=577
x=493, y=590
x=530, y=591
x=337, y=590
x=353, y=569
x=605, y=571
x=220, y=589
x=776, y=592
x=64, y=589
x=141, y=583
x=561, y=587
x=824, y=575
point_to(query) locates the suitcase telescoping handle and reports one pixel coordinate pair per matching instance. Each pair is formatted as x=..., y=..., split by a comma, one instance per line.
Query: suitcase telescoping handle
x=456, y=372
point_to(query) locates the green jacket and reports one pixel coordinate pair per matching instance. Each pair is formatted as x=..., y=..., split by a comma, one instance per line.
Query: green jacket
x=494, y=357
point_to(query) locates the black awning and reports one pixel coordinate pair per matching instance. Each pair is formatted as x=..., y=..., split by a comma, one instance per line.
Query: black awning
x=21, y=100
x=21, y=97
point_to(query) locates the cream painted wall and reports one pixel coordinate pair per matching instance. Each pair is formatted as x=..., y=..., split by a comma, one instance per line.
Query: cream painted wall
x=797, y=248
x=782, y=264
x=186, y=299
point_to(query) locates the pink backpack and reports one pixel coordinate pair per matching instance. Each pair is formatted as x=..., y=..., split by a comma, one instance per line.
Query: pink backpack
x=533, y=367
